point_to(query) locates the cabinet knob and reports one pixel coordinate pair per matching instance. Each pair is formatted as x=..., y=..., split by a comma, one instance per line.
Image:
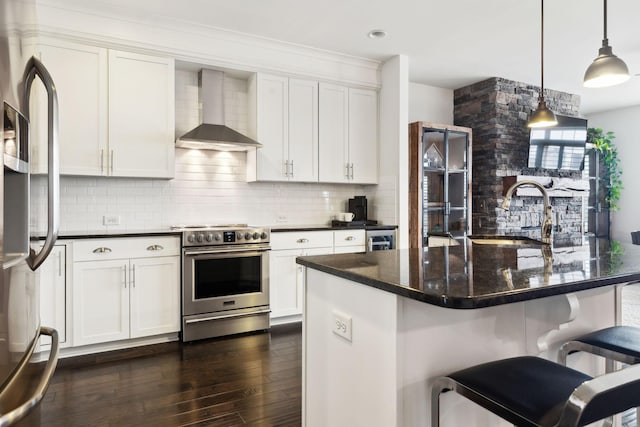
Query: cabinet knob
x=303, y=240
x=349, y=238
x=155, y=248
x=102, y=250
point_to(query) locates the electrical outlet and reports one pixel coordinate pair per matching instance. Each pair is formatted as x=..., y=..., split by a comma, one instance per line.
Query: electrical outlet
x=111, y=220
x=342, y=325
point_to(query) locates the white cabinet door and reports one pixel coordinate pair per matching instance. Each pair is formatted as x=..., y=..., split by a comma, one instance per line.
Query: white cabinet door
x=363, y=136
x=284, y=282
x=141, y=115
x=155, y=296
x=100, y=301
x=303, y=130
x=333, y=157
x=53, y=295
x=80, y=74
x=272, y=93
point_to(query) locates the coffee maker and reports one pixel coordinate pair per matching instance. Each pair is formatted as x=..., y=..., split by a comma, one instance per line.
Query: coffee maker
x=358, y=207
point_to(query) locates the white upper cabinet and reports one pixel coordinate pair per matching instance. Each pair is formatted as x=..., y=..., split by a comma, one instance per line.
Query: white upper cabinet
x=286, y=119
x=334, y=135
x=363, y=135
x=303, y=130
x=348, y=146
x=141, y=115
x=80, y=75
x=116, y=111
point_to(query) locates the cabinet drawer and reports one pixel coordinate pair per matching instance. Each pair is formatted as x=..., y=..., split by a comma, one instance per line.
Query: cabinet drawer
x=349, y=238
x=125, y=247
x=303, y=239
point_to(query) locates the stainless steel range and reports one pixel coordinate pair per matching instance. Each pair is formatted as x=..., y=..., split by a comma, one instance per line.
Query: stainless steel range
x=225, y=280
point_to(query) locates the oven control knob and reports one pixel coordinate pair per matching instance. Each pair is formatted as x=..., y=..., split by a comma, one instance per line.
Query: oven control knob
x=256, y=235
x=263, y=235
x=200, y=238
x=218, y=237
x=191, y=238
x=247, y=236
x=209, y=237
x=239, y=236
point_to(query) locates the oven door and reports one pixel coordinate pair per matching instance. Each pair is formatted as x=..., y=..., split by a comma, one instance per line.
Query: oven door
x=216, y=279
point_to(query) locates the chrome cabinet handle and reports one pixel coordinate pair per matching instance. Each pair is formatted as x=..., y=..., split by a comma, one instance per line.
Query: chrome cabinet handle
x=124, y=275
x=286, y=168
x=19, y=412
x=302, y=241
x=111, y=162
x=347, y=171
x=35, y=67
x=133, y=281
x=102, y=250
x=291, y=163
x=102, y=161
x=155, y=248
x=351, y=176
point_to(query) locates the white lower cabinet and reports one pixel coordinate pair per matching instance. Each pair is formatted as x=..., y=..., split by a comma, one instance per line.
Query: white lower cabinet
x=125, y=288
x=287, y=278
x=52, y=279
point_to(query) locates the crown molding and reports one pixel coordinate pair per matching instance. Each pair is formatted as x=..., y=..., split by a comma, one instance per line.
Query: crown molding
x=202, y=44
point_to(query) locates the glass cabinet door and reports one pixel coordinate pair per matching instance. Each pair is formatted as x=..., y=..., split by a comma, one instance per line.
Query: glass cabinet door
x=445, y=182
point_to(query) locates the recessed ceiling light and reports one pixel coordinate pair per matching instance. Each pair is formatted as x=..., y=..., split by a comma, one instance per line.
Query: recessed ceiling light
x=377, y=34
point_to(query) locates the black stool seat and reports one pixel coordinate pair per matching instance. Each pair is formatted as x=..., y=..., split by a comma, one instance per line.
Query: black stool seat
x=530, y=391
x=619, y=339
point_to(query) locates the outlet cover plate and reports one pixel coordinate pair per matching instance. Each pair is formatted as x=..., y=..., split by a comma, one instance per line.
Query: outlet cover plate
x=341, y=325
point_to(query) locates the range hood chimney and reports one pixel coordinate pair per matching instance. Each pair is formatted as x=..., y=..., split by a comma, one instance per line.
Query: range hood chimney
x=212, y=134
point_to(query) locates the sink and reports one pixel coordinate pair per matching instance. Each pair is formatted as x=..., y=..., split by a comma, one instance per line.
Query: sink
x=505, y=240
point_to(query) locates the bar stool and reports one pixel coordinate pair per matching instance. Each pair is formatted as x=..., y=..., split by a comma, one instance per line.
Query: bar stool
x=529, y=391
x=615, y=344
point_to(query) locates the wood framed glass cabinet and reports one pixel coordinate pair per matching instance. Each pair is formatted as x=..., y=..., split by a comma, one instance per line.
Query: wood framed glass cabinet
x=439, y=183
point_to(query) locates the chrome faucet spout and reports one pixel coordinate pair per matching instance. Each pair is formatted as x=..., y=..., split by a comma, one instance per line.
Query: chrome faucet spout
x=547, y=222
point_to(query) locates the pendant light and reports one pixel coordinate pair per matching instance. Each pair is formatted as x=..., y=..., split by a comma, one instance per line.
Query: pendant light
x=607, y=69
x=543, y=116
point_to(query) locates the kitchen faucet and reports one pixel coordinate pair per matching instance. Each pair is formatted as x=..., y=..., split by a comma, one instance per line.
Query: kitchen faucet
x=547, y=223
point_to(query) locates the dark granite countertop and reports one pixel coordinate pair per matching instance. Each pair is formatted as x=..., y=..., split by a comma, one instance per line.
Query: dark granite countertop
x=99, y=234
x=475, y=276
x=328, y=227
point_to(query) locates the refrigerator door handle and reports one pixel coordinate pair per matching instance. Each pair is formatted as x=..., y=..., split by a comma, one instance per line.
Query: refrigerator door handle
x=22, y=410
x=35, y=67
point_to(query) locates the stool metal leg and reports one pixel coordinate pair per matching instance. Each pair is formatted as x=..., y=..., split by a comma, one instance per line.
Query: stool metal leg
x=441, y=385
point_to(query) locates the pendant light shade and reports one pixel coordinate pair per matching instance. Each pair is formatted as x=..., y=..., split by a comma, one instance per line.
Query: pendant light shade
x=543, y=116
x=607, y=69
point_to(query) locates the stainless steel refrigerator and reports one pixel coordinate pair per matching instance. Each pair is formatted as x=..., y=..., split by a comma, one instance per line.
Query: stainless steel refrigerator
x=22, y=383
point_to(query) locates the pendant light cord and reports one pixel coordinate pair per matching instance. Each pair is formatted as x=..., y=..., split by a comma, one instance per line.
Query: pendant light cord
x=541, y=97
x=605, y=39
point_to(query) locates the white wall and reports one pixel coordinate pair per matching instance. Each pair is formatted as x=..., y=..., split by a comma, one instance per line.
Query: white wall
x=390, y=198
x=624, y=122
x=430, y=104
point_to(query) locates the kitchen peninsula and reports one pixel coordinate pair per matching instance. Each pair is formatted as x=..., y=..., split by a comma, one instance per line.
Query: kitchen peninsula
x=379, y=327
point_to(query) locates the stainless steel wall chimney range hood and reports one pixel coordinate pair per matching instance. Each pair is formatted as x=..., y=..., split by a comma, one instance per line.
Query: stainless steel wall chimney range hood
x=212, y=134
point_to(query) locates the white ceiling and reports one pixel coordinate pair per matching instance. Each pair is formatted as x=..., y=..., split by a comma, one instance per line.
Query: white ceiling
x=450, y=43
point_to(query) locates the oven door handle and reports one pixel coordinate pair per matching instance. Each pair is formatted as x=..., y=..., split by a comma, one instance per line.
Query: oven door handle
x=227, y=316
x=224, y=251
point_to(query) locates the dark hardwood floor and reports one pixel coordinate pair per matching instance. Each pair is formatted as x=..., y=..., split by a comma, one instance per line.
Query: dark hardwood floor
x=234, y=381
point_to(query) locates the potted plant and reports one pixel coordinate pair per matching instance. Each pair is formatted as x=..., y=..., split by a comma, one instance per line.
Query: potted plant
x=612, y=174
